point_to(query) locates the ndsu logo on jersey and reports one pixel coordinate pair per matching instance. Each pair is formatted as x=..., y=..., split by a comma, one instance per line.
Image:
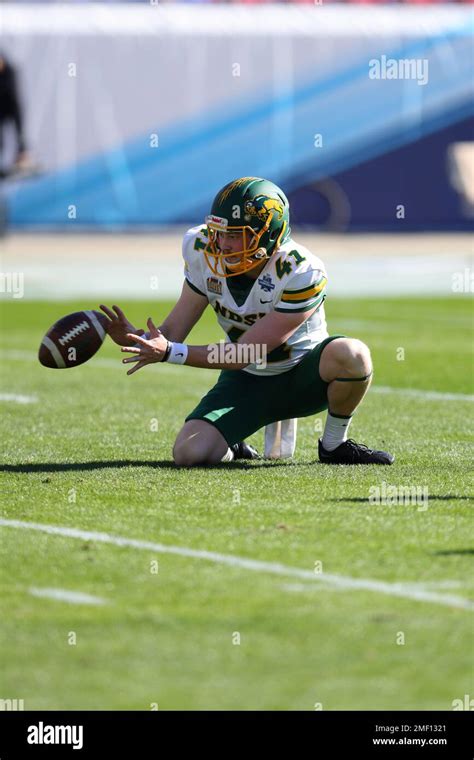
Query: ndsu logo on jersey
x=214, y=285
x=266, y=283
x=247, y=319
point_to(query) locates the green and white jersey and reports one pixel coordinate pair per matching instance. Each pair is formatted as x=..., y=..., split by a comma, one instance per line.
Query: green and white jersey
x=293, y=280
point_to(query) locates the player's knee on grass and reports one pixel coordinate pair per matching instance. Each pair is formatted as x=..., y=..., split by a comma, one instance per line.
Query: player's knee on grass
x=198, y=443
x=345, y=357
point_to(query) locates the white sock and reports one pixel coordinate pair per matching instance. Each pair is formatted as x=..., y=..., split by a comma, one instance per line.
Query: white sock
x=228, y=456
x=335, y=431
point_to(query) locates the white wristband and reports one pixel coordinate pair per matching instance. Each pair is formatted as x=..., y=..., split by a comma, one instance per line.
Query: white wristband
x=178, y=353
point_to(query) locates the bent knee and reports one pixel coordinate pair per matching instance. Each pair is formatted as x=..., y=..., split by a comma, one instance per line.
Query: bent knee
x=198, y=443
x=358, y=357
x=186, y=455
x=349, y=357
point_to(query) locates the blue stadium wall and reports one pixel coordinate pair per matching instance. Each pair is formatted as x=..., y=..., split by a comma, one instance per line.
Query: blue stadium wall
x=349, y=150
x=368, y=196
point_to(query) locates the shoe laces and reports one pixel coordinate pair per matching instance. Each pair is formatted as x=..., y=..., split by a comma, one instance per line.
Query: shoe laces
x=359, y=446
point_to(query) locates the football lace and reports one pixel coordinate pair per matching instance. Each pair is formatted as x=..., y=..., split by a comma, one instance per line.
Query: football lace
x=72, y=333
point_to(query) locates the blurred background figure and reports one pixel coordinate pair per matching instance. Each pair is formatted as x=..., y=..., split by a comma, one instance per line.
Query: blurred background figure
x=11, y=116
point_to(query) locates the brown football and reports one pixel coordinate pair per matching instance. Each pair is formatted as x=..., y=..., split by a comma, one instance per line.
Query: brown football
x=73, y=340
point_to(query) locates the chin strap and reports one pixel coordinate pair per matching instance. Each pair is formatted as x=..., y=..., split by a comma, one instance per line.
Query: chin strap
x=261, y=253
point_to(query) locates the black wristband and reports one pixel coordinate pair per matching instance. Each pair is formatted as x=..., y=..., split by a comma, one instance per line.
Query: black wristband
x=167, y=352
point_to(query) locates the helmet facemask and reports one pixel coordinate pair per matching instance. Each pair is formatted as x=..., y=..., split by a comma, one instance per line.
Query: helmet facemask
x=251, y=255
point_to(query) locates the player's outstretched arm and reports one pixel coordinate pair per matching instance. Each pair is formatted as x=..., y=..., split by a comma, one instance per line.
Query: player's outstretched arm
x=184, y=314
x=268, y=333
x=177, y=325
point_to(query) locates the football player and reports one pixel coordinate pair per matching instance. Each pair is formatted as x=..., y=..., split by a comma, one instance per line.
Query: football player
x=278, y=361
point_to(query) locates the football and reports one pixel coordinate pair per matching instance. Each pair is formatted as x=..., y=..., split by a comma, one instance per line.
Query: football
x=73, y=340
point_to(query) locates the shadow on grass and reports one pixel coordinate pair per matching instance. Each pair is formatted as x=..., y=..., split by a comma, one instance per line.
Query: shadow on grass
x=448, y=552
x=162, y=464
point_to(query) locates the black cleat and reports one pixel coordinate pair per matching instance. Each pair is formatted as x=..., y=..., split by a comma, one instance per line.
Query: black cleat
x=351, y=452
x=243, y=450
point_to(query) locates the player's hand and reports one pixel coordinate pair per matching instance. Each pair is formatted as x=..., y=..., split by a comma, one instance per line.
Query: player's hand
x=118, y=326
x=147, y=351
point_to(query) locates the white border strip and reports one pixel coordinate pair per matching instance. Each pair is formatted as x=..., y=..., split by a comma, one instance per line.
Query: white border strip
x=59, y=19
x=340, y=582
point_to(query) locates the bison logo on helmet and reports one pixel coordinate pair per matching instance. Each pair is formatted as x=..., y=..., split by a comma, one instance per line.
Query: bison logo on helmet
x=262, y=206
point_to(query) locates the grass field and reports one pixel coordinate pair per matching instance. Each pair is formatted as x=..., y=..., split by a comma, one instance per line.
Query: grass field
x=93, y=452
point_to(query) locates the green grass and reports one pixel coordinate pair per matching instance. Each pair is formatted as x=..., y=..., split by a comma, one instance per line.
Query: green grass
x=85, y=456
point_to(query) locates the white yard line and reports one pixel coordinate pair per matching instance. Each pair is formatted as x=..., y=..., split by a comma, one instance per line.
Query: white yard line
x=341, y=582
x=308, y=587
x=15, y=355
x=426, y=395
x=304, y=587
x=61, y=595
x=104, y=363
x=17, y=398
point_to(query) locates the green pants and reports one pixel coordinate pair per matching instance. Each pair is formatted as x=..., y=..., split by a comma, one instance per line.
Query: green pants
x=239, y=404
